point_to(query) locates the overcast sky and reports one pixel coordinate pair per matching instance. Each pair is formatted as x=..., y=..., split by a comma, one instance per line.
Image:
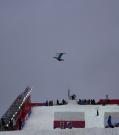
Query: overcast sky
x=33, y=31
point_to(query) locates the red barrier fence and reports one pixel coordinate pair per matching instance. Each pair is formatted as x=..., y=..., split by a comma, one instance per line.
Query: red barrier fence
x=37, y=104
x=69, y=124
x=108, y=101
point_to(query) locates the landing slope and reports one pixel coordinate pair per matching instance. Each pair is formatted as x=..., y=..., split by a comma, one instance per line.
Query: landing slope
x=42, y=117
x=41, y=120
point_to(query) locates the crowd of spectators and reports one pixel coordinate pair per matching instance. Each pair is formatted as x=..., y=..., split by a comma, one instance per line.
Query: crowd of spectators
x=51, y=103
x=86, y=102
x=64, y=102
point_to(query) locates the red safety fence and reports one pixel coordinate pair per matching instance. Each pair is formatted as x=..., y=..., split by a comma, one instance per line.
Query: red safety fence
x=69, y=124
x=108, y=101
x=37, y=104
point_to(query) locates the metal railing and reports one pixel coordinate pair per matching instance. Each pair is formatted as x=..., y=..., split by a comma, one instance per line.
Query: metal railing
x=14, y=109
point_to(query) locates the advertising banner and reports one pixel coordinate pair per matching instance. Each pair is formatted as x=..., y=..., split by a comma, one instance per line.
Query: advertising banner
x=69, y=120
x=111, y=119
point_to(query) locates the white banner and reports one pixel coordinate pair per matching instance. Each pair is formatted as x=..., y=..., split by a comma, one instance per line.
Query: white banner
x=69, y=116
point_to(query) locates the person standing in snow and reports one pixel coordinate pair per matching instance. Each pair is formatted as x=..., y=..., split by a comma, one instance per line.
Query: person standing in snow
x=97, y=112
x=109, y=121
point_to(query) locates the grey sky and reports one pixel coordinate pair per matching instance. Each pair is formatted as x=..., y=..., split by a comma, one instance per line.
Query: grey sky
x=32, y=31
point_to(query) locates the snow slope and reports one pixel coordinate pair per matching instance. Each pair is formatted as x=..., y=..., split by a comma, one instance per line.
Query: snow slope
x=42, y=117
x=41, y=121
x=86, y=131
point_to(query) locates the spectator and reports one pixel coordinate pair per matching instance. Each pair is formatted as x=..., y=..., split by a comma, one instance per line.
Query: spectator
x=69, y=125
x=88, y=101
x=11, y=125
x=58, y=102
x=73, y=97
x=79, y=102
x=51, y=103
x=109, y=121
x=3, y=122
x=97, y=112
x=63, y=102
x=46, y=103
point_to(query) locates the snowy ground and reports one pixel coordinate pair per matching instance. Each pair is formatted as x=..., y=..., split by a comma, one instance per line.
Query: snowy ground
x=41, y=121
x=42, y=117
x=86, y=131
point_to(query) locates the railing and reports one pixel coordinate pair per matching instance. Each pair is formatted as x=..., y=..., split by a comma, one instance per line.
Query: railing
x=10, y=116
